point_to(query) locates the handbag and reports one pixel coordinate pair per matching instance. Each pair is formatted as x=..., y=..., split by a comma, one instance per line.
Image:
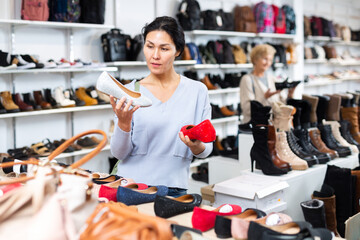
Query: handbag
x=116, y=46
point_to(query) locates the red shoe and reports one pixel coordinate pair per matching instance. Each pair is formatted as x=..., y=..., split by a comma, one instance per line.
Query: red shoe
x=205, y=220
x=204, y=131
x=110, y=192
x=137, y=186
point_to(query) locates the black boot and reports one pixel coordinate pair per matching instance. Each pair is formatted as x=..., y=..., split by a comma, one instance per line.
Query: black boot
x=72, y=96
x=330, y=141
x=48, y=98
x=259, y=115
x=321, y=110
x=345, y=133
x=260, y=152
x=28, y=100
x=298, y=150
x=314, y=213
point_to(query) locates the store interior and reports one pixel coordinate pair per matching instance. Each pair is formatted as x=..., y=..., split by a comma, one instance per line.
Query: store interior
x=294, y=164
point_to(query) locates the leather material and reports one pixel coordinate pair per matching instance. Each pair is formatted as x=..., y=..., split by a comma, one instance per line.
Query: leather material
x=333, y=110
x=259, y=114
x=272, y=149
x=39, y=100
x=227, y=112
x=351, y=114
x=316, y=140
x=335, y=129
x=204, y=131
x=208, y=83
x=314, y=103
x=8, y=102
x=282, y=116
x=28, y=100
x=81, y=94
x=166, y=207
x=297, y=149
x=345, y=133
x=23, y=106
x=330, y=141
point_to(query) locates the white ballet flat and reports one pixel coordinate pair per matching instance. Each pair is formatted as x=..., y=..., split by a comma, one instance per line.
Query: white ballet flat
x=108, y=85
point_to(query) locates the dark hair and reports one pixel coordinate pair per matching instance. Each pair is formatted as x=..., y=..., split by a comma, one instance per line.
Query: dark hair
x=171, y=27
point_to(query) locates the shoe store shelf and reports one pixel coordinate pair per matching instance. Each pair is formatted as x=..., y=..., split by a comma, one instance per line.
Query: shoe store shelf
x=49, y=24
x=315, y=61
x=239, y=34
x=198, y=162
x=332, y=62
x=60, y=70
x=58, y=110
x=228, y=66
x=143, y=63
x=225, y=90
x=225, y=120
x=323, y=39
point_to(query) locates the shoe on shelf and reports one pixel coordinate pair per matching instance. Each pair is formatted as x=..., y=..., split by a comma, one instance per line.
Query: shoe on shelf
x=202, y=173
x=81, y=94
x=86, y=142
x=135, y=197
x=207, y=83
x=59, y=64
x=110, y=86
x=166, y=207
x=21, y=63
x=18, y=101
x=216, y=112
x=72, y=64
x=49, y=98
x=227, y=112
x=8, y=102
x=69, y=94
x=40, y=149
x=204, y=131
x=2, y=108
x=61, y=100
x=91, y=91
x=40, y=100
x=50, y=64
x=5, y=61
x=31, y=59
x=29, y=100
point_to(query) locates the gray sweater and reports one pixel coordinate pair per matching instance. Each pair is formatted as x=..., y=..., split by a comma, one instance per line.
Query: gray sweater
x=152, y=152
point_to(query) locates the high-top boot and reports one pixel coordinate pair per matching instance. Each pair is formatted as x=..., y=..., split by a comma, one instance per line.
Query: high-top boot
x=297, y=116
x=285, y=153
x=335, y=129
x=23, y=106
x=330, y=141
x=345, y=133
x=81, y=94
x=28, y=100
x=40, y=100
x=2, y=108
x=333, y=110
x=314, y=103
x=259, y=114
x=351, y=114
x=322, y=107
x=274, y=155
x=305, y=142
x=346, y=99
x=316, y=140
x=357, y=191
x=282, y=116
x=340, y=180
x=297, y=149
x=8, y=102
x=48, y=98
x=260, y=152
x=314, y=212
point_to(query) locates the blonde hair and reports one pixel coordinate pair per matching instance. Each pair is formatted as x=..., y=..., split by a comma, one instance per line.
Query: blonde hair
x=261, y=50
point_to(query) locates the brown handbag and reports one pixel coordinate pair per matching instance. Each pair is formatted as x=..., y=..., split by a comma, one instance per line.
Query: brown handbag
x=244, y=19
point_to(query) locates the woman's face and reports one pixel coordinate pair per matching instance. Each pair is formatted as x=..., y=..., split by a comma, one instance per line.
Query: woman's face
x=262, y=63
x=160, y=51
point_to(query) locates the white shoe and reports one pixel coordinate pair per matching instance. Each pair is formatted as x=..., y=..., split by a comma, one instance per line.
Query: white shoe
x=61, y=100
x=110, y=86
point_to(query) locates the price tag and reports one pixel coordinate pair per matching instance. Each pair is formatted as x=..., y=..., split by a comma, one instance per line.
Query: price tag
x=219, y=21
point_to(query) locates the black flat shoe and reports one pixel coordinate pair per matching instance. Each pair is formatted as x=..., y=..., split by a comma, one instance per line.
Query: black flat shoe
x=166, y=207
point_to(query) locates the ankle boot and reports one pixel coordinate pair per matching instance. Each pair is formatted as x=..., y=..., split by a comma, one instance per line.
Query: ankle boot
x=23, y=106
x=272, y=150
x=282, y=116
x=91, y=91
x=260, y=152
x=69, y=94
x=329, y=140
x=345, y=133
x=316, y=140
x=285, y=153
x=8, y=103
x=305, y=142
x=356, y=173
x=314, y=212
x=297, y=149
x=351, y=114
x=321, y=110
x=40, y=100
x=2, y=108
x=28, y=100
x=314, y=103
x=303, y=109
x=333, y=110
x=335, y=129
x=49, y=98
x=81, y=94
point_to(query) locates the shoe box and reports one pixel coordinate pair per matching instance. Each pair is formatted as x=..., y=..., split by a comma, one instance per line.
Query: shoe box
x=207, y=194
x=251, y=190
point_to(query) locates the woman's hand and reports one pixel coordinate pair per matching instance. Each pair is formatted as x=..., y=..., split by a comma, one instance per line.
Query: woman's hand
x=268, y=93
x=123, y=112
x=195, y=146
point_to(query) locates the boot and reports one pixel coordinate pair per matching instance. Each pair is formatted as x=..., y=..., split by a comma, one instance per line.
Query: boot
x=314, y=103
x=260, y=152
x=69, y=94
x=8, y=103
x=297, y=105
x=91, y=91
x=49, y=98
x=316, y=140
x=305, y=142
x=81, y=94
x=28, y=100
x=321, y=110
x=297, y=149
x=40, y=100
x=333, y=110
x=60, y=98
x=314, y=212
x=2, y=108
x=274, y=155
x=285, y=153
x=345, y=133
x=335, y=129
x=357, y=191
x=282, y=116
x=23, y=106
x=259, y=115
x=351, y=114
x=346, y=99
x=329, y=140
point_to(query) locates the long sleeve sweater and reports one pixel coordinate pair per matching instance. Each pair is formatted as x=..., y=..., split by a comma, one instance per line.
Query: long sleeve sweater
x=152, y=151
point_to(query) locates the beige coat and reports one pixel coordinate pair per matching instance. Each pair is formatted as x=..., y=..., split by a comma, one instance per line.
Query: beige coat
x=247, y=93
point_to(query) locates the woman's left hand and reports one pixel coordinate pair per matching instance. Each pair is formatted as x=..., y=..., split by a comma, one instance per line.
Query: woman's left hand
x=195, y=146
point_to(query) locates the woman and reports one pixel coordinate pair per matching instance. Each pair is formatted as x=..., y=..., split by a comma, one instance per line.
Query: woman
x=148, y=140
x=258, y=85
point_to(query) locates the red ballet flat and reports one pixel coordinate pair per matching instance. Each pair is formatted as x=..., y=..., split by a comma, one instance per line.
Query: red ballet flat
x=204, y=131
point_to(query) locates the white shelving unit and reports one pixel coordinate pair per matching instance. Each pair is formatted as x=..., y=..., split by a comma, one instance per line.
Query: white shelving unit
x=225, y=90
x=143, y=63
x=59, y=70
x=228, y=66
x=232, y=119
x=324, y=82
x=334, y=62
x=238, y=34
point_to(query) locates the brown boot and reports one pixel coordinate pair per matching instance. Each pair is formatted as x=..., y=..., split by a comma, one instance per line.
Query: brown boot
x=314, y=102
x=208, y=83
x=330, y=212
x=8, y=102
x=315, y=137
x=351, y=114
x=272, y=150
x=81, y=94
x=333, y=110
x=227, y=112
x=357, y=194
x=40, y=100
x=282, y=116
x=23, y=106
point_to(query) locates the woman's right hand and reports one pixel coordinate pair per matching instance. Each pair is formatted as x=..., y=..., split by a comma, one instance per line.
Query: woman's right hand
x=268, y=93
x=123, y=112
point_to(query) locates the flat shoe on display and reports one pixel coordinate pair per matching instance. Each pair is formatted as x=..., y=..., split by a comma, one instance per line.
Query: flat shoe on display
x=86, y=143
x=204, y=131
x=31, y=59
x=135, y=197
x=108, y=179
x=166, y=207
x=109, y=85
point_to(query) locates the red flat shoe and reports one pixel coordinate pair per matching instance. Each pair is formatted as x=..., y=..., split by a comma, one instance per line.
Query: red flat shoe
x=110, y=192
x=204, y=220
x=204, y=131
